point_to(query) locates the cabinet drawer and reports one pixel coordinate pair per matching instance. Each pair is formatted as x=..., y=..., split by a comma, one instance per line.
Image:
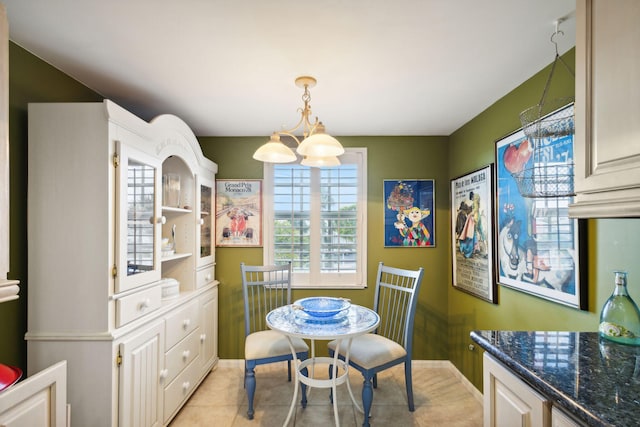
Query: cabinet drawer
x=180, y=388
x=180, y=323
x=134, y=306
x=204, y=276
x=182, y=354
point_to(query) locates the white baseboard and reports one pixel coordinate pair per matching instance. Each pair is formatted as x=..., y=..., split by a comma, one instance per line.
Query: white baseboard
x=443, y=364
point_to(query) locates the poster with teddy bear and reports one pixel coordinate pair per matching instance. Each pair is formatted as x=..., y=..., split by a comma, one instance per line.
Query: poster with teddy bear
x=409, y=213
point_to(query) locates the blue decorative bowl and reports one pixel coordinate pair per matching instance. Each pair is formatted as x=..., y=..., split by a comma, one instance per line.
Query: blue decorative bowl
x=322, y=306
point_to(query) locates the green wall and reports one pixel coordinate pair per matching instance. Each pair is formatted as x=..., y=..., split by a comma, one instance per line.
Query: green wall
x=611, y=244
x=30, y=80
x=445, y=315
x=388, y=158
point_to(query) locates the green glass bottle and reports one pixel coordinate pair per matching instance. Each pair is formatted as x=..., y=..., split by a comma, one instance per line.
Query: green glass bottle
x=620, y=317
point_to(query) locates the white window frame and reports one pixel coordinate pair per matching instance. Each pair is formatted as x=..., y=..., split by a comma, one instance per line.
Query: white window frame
x=357, y=280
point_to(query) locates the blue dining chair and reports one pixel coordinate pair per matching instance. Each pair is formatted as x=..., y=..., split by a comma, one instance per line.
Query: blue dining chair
x=391, y=343
x=266, y=288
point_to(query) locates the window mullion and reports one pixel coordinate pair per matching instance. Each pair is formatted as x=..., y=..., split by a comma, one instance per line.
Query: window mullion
x=315, y=235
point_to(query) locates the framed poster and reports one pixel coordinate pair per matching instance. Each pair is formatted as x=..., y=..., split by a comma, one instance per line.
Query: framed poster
x=409, y=213
x=238, y=212
x=472, y=233
x=538, y=246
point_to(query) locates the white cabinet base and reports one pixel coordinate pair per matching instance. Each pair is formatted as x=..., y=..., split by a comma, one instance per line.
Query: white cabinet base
x=40, y=400
x=509, y=402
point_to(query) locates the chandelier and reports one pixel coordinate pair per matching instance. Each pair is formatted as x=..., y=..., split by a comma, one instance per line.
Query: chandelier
x=316, y=147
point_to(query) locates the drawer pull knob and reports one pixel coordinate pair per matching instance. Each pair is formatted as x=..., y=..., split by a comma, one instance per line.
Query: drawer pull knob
x=186, y=323
x=164, y=374
x=185, y=386
x=208, y=276
x=201, y=221
x=185, y=354
x=203, y=338
x=145, y=304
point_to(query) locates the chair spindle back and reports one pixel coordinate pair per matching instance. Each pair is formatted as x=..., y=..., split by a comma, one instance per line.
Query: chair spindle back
x=264, y=288
x=395, y=302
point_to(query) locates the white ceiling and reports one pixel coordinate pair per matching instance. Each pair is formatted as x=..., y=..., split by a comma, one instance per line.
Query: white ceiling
x=401, y=67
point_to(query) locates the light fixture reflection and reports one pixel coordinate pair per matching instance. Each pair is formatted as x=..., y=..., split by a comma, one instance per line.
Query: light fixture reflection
x=319, y=162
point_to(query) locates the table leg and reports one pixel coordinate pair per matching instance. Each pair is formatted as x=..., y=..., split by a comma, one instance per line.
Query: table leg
x=334, y=387
x=295, y=387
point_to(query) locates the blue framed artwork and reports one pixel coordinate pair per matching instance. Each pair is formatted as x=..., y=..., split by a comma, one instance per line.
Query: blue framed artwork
x=409, y=213
x=538, y=245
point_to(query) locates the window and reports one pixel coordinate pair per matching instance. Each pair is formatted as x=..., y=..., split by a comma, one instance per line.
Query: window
x=316, y=218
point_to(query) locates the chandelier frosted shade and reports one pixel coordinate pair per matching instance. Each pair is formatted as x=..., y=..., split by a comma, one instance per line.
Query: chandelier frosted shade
x=320, y=144
x=275, y=151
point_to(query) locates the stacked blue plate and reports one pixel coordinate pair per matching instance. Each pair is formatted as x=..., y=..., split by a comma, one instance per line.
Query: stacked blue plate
x=323, y=306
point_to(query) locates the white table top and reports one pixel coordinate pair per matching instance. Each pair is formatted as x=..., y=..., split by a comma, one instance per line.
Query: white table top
x=296, y=323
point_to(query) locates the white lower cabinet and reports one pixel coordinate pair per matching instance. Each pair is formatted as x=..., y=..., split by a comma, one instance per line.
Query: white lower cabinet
x=40, y=400
x=141, y=363
x=510, y=402
x=209, y=332
x=560, y=419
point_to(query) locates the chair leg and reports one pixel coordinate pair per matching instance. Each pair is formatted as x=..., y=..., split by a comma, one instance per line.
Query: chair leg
x=250, y=385
x=409, y=383
x=303, y=387
x=331, y=353
x=367, y=398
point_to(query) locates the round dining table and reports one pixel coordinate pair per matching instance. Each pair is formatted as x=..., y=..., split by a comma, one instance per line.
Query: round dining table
x=293, y=322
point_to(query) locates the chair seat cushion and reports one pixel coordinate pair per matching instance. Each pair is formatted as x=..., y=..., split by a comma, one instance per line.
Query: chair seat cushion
x=263, y=344
x=371, y=350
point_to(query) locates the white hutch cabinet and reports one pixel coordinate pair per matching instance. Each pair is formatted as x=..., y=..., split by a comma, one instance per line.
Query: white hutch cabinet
x=607, y=144
x=137, y=343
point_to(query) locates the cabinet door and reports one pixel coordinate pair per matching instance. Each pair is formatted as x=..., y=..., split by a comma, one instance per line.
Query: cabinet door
x=509, y=402
x=140, y=397
x=138, y=220
x=560, y=419
x=209, y=335
x=40, y=400
x=206, y=200
x=607, y=180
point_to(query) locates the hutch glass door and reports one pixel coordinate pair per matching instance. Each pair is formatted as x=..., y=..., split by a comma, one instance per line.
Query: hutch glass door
x=138, y=225
x=205, y=235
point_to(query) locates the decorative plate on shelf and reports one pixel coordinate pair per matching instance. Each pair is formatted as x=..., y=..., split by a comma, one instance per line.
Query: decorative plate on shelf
x=322, y=306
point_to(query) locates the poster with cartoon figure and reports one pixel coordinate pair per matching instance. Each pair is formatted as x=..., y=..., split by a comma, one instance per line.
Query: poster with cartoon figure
x=409, y=213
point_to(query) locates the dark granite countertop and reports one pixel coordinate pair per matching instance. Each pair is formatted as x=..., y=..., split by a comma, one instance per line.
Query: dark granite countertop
x=595, y=380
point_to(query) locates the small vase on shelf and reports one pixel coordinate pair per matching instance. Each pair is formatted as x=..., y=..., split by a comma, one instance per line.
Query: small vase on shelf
x=620, y=317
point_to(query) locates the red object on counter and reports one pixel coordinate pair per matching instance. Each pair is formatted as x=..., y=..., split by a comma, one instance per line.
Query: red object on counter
x=9, y=375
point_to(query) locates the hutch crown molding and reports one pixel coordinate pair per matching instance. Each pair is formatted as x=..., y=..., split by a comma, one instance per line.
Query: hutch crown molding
x=121, y=284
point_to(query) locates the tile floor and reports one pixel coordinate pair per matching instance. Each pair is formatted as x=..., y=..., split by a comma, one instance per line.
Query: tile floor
x=441, y=399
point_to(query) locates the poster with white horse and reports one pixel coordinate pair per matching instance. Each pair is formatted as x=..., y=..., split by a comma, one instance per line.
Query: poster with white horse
x=538, y=245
